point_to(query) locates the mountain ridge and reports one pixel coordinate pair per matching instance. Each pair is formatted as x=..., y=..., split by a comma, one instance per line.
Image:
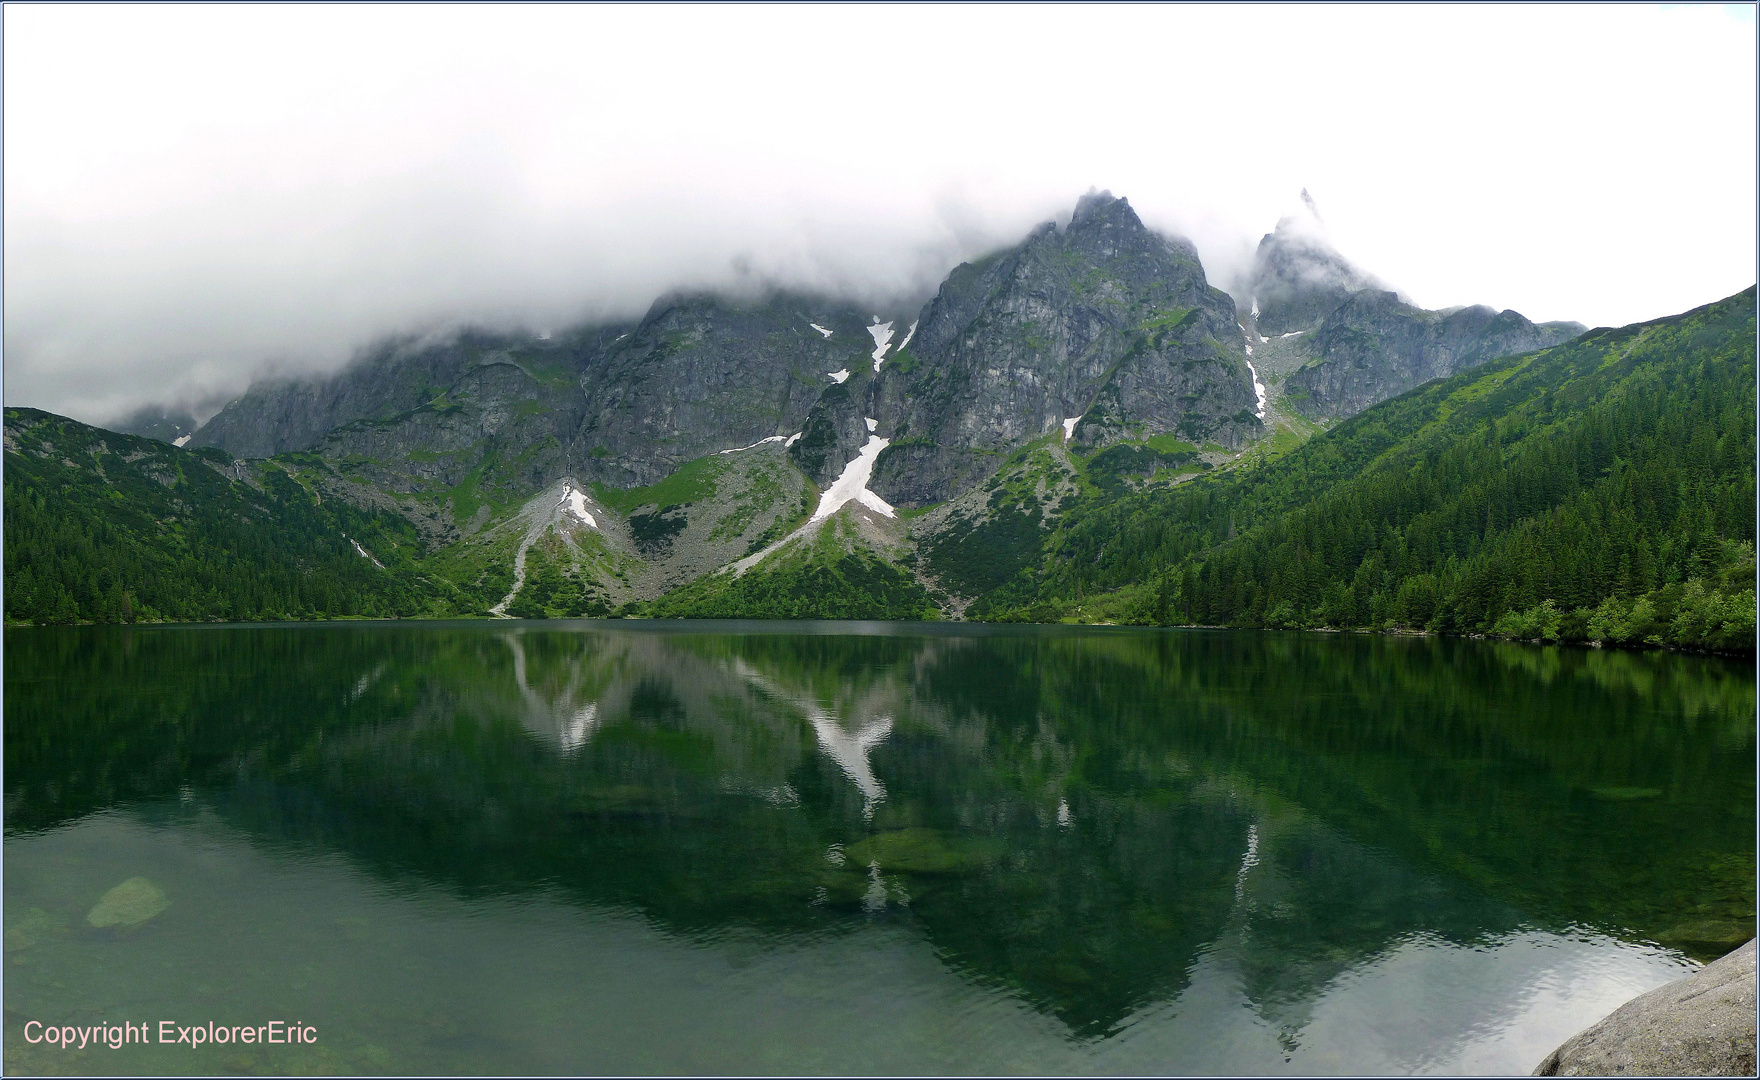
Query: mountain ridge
x=804, y=456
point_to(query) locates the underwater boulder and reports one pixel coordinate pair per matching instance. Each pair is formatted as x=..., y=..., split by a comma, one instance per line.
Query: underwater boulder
x=129, y=904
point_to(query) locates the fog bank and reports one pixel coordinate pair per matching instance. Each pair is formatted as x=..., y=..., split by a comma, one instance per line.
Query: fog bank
x=198, y=195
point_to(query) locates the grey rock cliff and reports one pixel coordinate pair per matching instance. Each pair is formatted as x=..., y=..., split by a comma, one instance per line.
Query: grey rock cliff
x=701, y=374
x=1702, y=1025
x=1375, y=346
x=502, y=405
x=390, y=380
x=1104, y=320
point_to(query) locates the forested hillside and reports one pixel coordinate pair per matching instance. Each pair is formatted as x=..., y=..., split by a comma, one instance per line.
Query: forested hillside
x=102, y=527
x=1599, y=490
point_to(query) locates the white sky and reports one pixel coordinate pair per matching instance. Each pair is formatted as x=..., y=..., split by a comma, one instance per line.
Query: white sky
x=197, y=193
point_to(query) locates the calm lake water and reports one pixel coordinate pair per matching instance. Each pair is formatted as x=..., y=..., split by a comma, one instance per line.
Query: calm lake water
x=860, y=848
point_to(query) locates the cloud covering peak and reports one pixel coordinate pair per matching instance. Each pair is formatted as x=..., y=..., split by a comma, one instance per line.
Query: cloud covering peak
x=199, y=194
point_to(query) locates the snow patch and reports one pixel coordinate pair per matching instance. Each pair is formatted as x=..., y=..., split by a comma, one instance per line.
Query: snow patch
x=792, y=439
x=882, y=335
x=760, y=442
x=180, y=440
x=908, y=334
x=575, y=502
x=871, y=422
x=1255, y=307
x=819, y=328
x=1294, y=333
x=364, y=553
x=853, y=484
x=1258, y=387
x=837, y=376
x=1069, y=428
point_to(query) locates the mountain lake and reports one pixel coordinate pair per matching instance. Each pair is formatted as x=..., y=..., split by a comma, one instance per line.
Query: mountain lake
x=714, y=847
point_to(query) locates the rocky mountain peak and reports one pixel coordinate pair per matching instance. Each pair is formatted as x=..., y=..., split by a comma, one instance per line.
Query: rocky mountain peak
x=1105, y=228
x=1104, y=330
x=1298, y=277
x=1099, y=206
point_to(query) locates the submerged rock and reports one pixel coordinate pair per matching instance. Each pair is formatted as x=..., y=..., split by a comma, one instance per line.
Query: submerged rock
x=129, y=904
x=1702, y=1025
x=919, y=851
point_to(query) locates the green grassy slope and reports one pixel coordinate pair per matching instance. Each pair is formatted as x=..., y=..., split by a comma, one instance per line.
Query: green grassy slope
x=829, y=574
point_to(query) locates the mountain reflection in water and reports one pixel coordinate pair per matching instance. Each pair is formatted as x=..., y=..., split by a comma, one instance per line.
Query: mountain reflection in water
x=1099, y=824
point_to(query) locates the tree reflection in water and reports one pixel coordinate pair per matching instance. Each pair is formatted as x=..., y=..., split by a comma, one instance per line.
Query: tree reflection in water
x=1078, y=816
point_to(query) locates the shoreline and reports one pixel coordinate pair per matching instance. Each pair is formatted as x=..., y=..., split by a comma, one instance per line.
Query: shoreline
x=1611, y=645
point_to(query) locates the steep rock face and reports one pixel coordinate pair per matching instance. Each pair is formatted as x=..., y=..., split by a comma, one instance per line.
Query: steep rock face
x=702, y=374
x=1374, y=346
x=496, y=409
x=393, y=379
x=1102, y=320
x=455, y=427
x=835, y=429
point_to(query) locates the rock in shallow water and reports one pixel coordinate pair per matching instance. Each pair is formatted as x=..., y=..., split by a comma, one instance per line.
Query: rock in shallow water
x=129, y=904
x=1702, y=1025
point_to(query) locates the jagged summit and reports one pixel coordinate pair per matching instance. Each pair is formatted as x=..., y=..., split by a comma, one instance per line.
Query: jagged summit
x=1105, y=330
x=1298, y=277
x=1100, y=203
x=1352, y=339
x=1308, y=201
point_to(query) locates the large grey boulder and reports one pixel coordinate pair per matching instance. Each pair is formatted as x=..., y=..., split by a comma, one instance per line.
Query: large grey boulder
x=1702, y=1025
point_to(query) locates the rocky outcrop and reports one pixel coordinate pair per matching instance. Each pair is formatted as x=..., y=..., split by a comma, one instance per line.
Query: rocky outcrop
x=1702, y=1025
x=1102, y=320
x=1374, y=346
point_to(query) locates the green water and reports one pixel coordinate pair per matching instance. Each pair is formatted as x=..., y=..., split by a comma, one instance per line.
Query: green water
x=867, y=848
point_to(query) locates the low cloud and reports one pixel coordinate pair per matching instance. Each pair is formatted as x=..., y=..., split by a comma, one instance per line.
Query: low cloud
x=196, y=196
